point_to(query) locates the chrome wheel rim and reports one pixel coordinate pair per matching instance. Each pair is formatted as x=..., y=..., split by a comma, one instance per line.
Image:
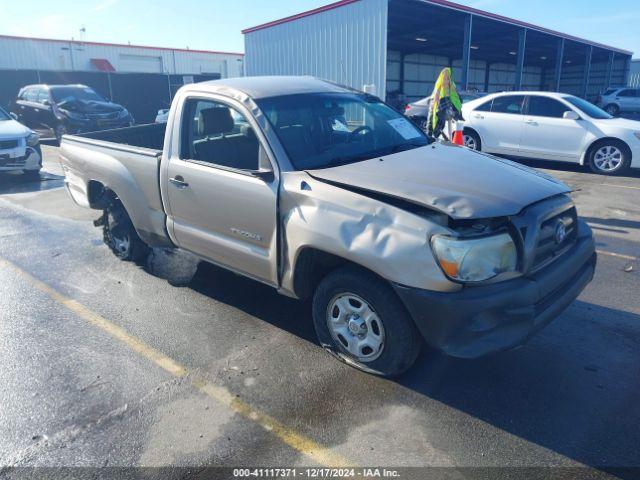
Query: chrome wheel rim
x=121, y=244
x=356, y=327
x=608, y=158
x=470, y=142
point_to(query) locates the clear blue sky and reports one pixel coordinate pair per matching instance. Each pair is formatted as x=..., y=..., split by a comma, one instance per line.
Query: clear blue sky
x=216, y=24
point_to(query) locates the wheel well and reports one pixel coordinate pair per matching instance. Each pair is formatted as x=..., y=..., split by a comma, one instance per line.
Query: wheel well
x=472, y=130
x=312, y=266
x=99, y=196
x=602, y=141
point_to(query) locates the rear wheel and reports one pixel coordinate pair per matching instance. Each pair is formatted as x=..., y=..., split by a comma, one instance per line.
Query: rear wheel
x=472, y=140
x=609, y=157
x=31, y=174
x=120, y=235
x=359, y=318
x=612, y=109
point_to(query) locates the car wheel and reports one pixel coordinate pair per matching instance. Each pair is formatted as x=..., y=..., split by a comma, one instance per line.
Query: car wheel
x=60, y=131
x=121, y=236
x=31, y=174
x=359, y=319
x=609, y=158
x=472, y=140
x=612, y=109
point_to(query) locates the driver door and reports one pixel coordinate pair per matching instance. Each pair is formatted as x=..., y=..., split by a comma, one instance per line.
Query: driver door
x=222, y=191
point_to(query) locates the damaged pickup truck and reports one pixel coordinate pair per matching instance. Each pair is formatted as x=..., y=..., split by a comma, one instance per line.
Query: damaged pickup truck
x=324, y=192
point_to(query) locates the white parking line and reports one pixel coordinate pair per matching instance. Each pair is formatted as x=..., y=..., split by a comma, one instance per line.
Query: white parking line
x=617, y=255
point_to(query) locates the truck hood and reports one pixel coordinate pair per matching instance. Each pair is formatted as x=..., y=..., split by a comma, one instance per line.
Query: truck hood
x=453, y=180
x=12, y=129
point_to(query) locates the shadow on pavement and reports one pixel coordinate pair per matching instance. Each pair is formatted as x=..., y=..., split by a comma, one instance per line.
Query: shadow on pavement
x=570, y=391
x=16, y=182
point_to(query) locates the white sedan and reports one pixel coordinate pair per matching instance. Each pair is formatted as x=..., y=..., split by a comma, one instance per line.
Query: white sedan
x=19, y=147
x=552, y=126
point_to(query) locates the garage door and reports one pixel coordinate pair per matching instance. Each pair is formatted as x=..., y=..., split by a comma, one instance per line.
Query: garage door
x=140, y=63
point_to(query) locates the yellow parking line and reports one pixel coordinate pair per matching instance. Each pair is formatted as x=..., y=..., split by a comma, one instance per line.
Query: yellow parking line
x=619, y=186
x=617, y=255
x=222, y=395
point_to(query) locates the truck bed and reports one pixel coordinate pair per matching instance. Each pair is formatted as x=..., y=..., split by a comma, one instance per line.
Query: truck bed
x=125, y=161
x=149, y=137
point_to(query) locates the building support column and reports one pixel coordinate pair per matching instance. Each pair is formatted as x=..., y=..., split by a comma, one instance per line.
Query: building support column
x=607, y=82
x=627, y=71
x=402, y=57
x=522, y=45
x=559, y=62
x=587, y=71
x=466, y=52
x=487, y=77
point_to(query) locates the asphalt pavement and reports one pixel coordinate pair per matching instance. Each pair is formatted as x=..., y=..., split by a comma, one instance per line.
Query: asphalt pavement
x=104, y=365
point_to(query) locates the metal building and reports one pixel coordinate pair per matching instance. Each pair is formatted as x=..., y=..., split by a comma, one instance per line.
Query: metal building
x=634, y=75
x=20, y=53
x=401, y=46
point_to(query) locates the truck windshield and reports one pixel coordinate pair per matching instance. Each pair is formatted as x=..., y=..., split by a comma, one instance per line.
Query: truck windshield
x=588, y=108
x=324, y=130
x=73, y=94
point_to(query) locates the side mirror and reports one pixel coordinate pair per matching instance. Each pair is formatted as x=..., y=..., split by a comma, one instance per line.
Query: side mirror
x=266, y=174
x=571, y=115
x=46, y=103
x=14, y=116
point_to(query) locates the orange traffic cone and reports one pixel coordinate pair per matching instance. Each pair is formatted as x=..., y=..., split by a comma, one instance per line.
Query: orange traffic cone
x=458, y=138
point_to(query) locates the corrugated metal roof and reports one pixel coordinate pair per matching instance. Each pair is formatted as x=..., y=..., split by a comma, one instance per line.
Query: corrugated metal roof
x=123, y=45
x=445, y=4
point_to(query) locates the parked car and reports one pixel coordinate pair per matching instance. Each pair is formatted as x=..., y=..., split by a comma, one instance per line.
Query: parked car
x=19, y=147
x=54, y=110
x=620, y=100
x=328, y=193
x=552, y=126
x=418, y=111
x=162, y=116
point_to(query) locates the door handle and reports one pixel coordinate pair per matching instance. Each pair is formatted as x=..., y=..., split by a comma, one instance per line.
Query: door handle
x=478, y=116
x=531, y=122
x=179, y=182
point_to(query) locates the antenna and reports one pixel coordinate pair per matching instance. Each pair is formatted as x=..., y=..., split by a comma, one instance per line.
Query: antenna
x=83, y=31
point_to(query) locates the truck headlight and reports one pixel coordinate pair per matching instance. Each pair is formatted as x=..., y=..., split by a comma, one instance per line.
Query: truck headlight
x=475, y=259
x=33, y=139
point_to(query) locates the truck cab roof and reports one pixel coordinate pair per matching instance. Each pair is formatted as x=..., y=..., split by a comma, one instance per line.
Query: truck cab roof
x=268, y=86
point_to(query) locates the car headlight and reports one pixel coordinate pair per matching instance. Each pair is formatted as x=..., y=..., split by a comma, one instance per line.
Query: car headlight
x=637, y=134
x=475, y=259
x=33, y=139
x=123, y=113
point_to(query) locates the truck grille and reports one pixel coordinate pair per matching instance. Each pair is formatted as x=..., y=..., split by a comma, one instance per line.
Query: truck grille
x=17, y=162
x=556, y=235
x=8, y=144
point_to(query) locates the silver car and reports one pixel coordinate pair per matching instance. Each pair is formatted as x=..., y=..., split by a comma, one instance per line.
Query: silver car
x=620, y=100
x=419, y=111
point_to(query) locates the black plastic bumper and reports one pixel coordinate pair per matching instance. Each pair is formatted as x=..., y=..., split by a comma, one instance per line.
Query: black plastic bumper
x=480, y=320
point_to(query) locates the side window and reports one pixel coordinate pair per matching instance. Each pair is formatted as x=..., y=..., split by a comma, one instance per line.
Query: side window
x=627, y=93
x=31, y=95
x=485, y=107
x=546, y=107
x=42, y=96
x=218, y=134
x=512, y=104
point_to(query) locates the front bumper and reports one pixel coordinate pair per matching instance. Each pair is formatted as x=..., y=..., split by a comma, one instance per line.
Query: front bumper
x=477, y=321
x=31, y=160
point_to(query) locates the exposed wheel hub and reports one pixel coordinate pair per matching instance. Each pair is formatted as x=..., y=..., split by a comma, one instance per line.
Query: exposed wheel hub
x=355, y=326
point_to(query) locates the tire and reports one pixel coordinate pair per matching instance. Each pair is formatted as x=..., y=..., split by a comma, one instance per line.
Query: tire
x=472, y=140
x=120, y=235
x=59, y=132
x=612, y=109
x=609, y=157
x=31, y=174
x=390, y=330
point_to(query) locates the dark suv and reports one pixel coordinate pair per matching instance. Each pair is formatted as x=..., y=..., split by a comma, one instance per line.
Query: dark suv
x=53, y=110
